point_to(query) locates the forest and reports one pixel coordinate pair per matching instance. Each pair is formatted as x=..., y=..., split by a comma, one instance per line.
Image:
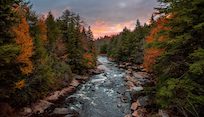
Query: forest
x=40, y=55
x=172, y=49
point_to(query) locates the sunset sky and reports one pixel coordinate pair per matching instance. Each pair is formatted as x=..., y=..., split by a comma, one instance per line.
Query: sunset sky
x=105, y=17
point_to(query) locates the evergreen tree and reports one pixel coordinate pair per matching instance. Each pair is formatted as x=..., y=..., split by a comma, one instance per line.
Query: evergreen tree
x=10, y=73
x=52, y=31
x=72, y=36
x=137, y=44
x=180, y=68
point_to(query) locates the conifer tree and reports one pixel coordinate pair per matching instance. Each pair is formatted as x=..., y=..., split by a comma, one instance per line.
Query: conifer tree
x=180, y=68
x=52, y=31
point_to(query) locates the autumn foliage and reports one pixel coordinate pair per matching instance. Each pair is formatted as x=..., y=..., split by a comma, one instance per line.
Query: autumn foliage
x=152, y=53
x=24, y=40
x=160, y=25
x=150, y=57
x=20, y=84
x=89, y=60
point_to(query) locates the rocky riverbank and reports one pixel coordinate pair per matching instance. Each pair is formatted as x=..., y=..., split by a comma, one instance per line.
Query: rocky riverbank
x=121, y=86
x=137, y=80
x=46, y=104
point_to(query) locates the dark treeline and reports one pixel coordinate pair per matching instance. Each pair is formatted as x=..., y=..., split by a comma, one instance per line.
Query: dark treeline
x=172, y=48
x=126, y=46
x=38, y=55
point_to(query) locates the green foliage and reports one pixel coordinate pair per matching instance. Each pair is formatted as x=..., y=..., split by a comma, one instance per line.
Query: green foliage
x=180, y=69
x=128, y=45
x=9, y=71
x=70, y=27
x=52, y=31
x=52, y=70
x=8, y=48
x=103, y=49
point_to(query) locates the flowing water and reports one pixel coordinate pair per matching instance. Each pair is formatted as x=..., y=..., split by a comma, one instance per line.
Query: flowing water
x=103, y=95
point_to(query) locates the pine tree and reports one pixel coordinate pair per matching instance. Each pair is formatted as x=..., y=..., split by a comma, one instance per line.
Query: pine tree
x=52, y=31
x=72, y=36
x=179, y=69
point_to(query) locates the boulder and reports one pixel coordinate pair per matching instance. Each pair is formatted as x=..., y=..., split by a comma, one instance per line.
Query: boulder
x=78, y=77
x=102, y=68
x=130, y=84
x=129, y=115
x=99, y=70
x=135, y=114
x=141, y=112
x=143, y=101
x=137, y=75
x=54, y=96
x=67, y=90
x=74, y=83
x=119, y=105
x=163, y=113
x=129, y=78
x=128, y=64
x=134, y=106
x=98, y=63
x=129, y=71
x=57, y=94
x=121, y=66
x=26, y=111
x=143, y=74
x=137, y=89
x=124, y=99
x=62, y=111
x=40, y=106
x=111, y=59
x=135, y=68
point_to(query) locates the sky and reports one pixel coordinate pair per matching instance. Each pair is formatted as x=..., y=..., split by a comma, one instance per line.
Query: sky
x=106, y=17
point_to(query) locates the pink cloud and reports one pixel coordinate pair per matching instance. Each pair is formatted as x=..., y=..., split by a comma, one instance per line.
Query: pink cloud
x=102, y=28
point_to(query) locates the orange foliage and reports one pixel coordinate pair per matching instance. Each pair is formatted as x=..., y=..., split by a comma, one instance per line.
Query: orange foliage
x=89, y=60
x=159, y=26
x=20, y=84
x=24, y=40
x=43, y=29
x=150, y=57
x=152, y=53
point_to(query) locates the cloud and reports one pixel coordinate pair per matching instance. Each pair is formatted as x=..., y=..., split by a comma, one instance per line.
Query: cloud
x=122, y=4
x=101, y=28
x=112, y=12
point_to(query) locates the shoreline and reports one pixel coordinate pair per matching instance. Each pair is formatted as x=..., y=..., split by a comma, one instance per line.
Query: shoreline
x=40, y=106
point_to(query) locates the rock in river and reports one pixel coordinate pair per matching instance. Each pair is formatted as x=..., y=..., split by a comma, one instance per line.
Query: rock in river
x=61, y=111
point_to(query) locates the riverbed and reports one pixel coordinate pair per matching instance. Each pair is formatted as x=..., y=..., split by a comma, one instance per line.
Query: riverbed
x=104, y=95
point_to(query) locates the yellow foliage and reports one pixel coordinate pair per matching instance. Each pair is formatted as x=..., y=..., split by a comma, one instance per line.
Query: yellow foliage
x=24, y=40
x=20, y=84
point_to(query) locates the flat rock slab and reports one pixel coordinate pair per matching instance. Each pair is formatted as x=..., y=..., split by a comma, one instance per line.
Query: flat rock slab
x=75, y=83
x=62, y=111
x=41, y=106
x=138, y=75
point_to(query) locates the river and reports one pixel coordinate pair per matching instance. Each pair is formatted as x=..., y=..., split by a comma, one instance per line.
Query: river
x=103, y=95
